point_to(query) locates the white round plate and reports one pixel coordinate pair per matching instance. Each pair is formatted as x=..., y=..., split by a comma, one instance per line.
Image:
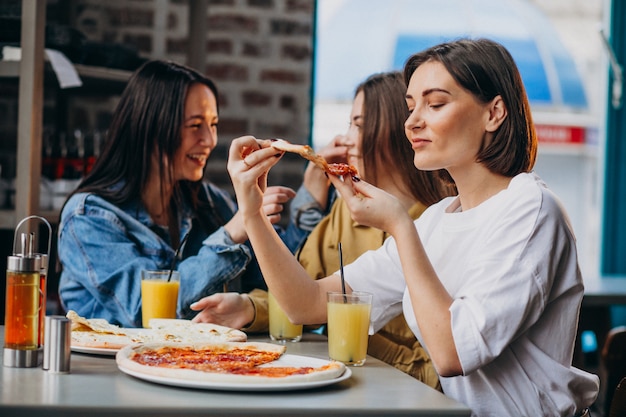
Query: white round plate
x=285, y=360
x=94, y=351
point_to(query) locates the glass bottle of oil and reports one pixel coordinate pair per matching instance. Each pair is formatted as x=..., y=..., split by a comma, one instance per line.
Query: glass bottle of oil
x=23, y=303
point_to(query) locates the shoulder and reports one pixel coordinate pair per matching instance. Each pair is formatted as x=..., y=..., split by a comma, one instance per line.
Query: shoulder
x=83, y=202
x=92, y=206
x=79, y=203
x=529, y=193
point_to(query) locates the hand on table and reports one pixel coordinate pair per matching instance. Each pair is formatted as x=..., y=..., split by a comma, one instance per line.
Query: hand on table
x=228, y=309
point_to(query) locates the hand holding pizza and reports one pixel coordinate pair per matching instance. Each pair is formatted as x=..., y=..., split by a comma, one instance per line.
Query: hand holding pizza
x=249, y=161
x=371, y=206
x=315, y=178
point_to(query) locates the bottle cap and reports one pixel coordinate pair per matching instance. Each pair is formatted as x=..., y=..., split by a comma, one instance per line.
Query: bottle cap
x=19, y=263
x=57, y=343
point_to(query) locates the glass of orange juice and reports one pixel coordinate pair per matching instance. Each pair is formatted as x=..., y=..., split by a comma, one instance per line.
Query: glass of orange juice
x=281, y=329
x=159, y=295
x=348, y=326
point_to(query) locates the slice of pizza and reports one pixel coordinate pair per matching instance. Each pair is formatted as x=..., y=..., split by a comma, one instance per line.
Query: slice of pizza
x=229, y=362
x=307, y=152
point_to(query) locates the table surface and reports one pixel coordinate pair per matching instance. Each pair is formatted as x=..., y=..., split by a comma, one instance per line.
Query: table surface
x=606, y=290
x=96, y=387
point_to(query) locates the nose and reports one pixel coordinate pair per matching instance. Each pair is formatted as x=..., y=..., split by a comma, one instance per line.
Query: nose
x=343, y=140
x=208, y=135
x=414, y=121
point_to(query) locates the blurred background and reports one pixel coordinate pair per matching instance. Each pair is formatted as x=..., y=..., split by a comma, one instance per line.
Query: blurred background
x=288, y=69
x=557, y=48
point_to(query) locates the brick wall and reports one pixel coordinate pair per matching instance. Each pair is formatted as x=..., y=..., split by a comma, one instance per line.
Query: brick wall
x=259, y=52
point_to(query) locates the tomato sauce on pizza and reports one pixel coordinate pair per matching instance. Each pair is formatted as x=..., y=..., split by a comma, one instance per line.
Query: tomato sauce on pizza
x=230, y=361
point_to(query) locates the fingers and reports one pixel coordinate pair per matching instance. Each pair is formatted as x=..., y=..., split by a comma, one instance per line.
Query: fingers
x=204, y=302
x=226, y=309
x=273, y=201
x=353, y=187
x=336, y=151
x=247, y=152
x=279, y=194
x=274, y=218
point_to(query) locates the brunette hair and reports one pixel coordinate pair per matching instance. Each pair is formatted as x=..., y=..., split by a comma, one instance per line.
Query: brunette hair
x=486, y=69
x=147, y=121
x=384, y=143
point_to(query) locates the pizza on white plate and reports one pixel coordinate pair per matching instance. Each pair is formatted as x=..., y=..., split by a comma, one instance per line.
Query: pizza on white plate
x=228, y=363
x=100, y=334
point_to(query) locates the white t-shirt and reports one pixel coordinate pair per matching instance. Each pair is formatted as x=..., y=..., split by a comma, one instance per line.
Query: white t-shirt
x=511, y=267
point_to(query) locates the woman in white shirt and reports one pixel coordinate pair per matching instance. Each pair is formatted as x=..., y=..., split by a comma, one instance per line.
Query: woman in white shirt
x=487, y=280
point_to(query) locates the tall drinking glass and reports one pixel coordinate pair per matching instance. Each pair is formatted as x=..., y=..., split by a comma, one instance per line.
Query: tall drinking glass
x=281, y=329
x=348, y=326
x=159, y=295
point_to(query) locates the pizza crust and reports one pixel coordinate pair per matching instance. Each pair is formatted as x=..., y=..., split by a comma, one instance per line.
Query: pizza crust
x=124, y=360
x=339, y=169
x=304, y=151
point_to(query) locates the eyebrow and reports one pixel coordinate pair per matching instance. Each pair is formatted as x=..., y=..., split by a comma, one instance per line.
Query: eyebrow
x=429, y=91
x=200, y=116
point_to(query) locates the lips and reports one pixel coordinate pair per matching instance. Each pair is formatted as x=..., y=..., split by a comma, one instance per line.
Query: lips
x=418, y=143
x=199, y=158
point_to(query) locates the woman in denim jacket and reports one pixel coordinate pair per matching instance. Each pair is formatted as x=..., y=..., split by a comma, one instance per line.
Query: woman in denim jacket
x=146, y=196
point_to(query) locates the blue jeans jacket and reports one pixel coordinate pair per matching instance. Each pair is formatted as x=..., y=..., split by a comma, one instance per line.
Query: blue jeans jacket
x=103, y=248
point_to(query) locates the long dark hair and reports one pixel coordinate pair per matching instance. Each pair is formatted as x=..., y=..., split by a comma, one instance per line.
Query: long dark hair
x=384, y=143
x=147, y=121
x=486, y=69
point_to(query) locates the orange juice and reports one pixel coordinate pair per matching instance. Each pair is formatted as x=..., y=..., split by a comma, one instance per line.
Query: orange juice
x=348, y=327
x=159, y=297
x=281, y=329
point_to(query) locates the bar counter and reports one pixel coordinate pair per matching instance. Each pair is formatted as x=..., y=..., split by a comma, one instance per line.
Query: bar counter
x=96, y=387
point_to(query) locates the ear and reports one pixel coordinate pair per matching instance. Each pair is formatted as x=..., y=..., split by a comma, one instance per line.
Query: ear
x=497, y=114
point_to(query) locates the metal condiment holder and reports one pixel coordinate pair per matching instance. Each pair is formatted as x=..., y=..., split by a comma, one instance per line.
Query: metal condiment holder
x=26, y=350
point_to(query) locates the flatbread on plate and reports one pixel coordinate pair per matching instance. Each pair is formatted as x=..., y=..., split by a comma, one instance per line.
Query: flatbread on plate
x=100, y=334
x=185, y=331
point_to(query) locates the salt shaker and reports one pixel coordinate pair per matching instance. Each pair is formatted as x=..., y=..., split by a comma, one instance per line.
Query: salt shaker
x=56, y=347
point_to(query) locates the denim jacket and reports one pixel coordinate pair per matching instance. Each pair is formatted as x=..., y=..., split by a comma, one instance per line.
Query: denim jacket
x=103, y=248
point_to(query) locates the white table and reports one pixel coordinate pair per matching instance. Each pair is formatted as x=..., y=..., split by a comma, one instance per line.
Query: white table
x=96, y=387
x=601, y=293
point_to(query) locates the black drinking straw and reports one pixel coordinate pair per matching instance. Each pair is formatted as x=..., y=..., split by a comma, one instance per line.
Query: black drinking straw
x=343, y=281
x=182, y=243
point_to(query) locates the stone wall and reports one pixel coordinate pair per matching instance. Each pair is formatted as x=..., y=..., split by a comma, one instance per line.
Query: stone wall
x=259, y=52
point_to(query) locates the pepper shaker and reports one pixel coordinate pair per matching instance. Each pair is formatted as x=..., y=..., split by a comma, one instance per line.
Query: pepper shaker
x=57, y=341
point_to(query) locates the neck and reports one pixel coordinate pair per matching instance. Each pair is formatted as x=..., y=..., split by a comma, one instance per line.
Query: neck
x=157, y=201
x=478, y=186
